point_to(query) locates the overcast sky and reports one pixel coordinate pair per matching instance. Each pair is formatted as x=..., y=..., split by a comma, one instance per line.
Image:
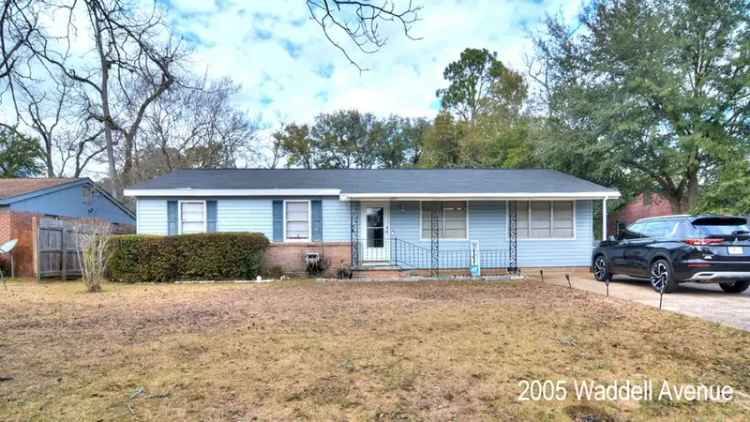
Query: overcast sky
x=289, y=72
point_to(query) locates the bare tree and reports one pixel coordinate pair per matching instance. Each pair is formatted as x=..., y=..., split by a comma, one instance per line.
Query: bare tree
x=18, y=23
x=194, y=125
x=43, y=110
x=130, y=45
x=92, y=247
x=129, y=49
x=67, y=135
x=79, y=146
x=360, y=22
x=276, y=154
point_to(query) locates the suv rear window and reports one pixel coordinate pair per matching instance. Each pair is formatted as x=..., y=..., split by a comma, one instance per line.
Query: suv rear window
x=720, y=226
x=683, y=229
x=663, y=229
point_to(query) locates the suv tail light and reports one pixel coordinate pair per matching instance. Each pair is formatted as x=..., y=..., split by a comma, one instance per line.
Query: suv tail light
x=703, y=242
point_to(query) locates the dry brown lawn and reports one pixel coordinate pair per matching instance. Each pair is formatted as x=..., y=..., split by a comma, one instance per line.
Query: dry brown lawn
x=346, y=351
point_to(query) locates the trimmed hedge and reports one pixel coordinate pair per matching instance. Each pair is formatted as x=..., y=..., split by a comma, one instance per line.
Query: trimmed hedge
x=209, y=256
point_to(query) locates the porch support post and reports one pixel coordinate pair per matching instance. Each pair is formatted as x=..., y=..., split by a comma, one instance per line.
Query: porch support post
x=513, y=237
x=604, y=219
x=435, y=223
x=354, y=216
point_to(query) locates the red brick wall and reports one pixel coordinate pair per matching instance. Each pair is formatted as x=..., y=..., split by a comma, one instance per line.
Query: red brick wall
x=290, y=256
x=4, y=225
x=19, y=226
x=24, y=229
x=639, y=208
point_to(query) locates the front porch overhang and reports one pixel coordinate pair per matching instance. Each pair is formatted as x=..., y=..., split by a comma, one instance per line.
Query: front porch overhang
x=504, y=196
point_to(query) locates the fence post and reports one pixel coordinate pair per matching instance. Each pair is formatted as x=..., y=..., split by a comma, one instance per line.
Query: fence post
x=63, y=253
x=35, y=233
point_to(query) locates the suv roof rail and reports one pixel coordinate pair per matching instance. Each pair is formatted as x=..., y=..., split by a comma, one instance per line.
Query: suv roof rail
x=663, y=217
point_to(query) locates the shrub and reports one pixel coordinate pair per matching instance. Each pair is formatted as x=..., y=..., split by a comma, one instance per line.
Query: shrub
x=273, y=272
x=92, y=249
x=209, y=256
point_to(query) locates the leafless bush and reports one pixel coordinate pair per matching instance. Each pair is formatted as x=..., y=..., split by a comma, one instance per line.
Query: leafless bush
x=92, y=247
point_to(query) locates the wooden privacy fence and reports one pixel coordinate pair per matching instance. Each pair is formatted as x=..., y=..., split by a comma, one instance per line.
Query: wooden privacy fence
x=56, y=249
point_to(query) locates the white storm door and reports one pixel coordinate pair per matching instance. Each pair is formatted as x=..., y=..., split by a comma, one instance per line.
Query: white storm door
x=376, y=232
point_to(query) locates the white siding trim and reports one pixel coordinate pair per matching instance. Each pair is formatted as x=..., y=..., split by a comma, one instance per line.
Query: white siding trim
x=488, y=196
x=349, y=196
x=231, y=192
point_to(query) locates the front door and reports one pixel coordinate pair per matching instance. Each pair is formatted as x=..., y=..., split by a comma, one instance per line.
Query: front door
x=376, y=231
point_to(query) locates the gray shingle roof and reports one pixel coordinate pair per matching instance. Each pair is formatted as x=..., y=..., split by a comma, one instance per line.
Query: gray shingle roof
x=352, y=181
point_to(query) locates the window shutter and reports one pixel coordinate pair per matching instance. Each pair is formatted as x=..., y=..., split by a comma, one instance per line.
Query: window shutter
x=171, y=218
x=317, y=220
x=278, y=221
x=211, y=216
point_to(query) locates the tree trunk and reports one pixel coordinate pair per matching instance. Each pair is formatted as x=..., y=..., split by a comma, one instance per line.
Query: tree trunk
x=106, y=112
x=692, y=188
x=48, y=160
x=677, y=202
x=127, y=165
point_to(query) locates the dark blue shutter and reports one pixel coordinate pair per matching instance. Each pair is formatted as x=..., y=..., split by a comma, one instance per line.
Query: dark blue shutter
x=278, y=221
x=211, y=215
x=317, y=220
x=171, y=218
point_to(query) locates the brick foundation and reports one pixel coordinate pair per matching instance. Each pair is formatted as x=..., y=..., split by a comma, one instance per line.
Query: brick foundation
x=395, y=273
x=379, y=274
x=290, y=256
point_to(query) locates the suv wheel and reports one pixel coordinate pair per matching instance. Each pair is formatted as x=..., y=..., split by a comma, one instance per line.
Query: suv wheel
x=600, y=268
x=735, y=286
x=661, y=276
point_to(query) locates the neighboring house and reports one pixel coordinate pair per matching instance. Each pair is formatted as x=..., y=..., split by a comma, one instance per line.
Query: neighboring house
x=644, y=205
x=24, y=201
x=383, y=218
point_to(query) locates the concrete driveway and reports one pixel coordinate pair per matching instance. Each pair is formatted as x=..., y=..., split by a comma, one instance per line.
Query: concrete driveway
x=705, y=301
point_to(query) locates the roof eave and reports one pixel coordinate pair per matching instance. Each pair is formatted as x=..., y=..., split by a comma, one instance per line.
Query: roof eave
x=487, y=196
x=79, y=181
x=41, y=191
x=189, y=192
x=539, y=196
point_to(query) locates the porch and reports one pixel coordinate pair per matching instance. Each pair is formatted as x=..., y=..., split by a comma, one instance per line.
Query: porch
x=457, y=235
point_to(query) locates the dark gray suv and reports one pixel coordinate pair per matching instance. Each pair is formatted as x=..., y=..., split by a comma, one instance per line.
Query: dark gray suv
x=674, y=249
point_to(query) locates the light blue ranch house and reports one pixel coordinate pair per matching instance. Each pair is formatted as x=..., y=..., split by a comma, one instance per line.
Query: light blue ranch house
x=388, y=219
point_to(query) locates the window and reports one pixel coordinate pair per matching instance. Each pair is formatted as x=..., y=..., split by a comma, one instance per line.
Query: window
x=545, y=219
x=192, y=217
x=635, y=231
x=297, y=225
x=660, y=229
x=562, y=220
x=452, y=219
